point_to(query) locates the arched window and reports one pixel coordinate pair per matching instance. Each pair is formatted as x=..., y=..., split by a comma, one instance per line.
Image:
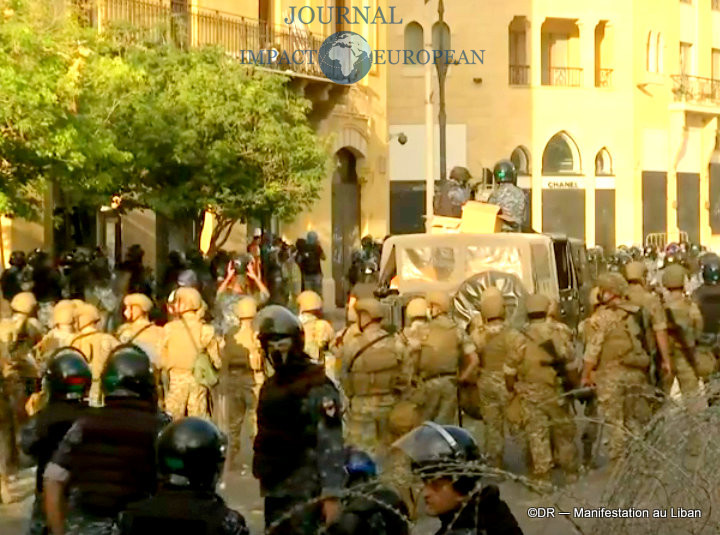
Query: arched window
x=520, y=158
x=651, y=51
x=561, y=156
x=603, y=163
x=414, y=38
x=659, y=53
x=441, y=36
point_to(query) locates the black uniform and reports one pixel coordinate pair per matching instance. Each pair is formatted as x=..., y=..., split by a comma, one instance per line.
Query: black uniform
x=107, y=459
x=379, y=511
x=298, y=447
x=485, y=514
x=182, y=510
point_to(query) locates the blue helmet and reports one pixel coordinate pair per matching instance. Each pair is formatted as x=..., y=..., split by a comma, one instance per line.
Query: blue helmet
x=359, y=466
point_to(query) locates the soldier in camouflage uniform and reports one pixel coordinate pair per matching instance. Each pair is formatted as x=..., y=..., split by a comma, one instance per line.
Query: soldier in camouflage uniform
x=685, y=323
x=241, y=377
x=657, y=342
x=61, y=334
x=617, y=364
x=95, y=345
x=537, y=376
x=138, y=329
x=319, y=333
x=497, y=344
x=8, y=463
x=509, y=197
x=591, y=429
x=375, y=374
x=185, y=338
x=439, y=350
x=416, y=317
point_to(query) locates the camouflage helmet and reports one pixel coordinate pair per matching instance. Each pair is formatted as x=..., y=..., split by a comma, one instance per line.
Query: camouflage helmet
x=139, y=300
x=416, y=308
x=309, y=301
x=87, y=314
x=23, y=303
x=673, y=277
x=64, y=313
x=492, y=307
x=505, y=172
x=187, y=299
x=613, y=282
x=246, y=308
x=537, y=304
x=634, y=271
x=439, y=299
x=371, y=307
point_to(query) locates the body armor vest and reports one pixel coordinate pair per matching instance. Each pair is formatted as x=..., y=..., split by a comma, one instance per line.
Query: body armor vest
x=374, y=369
x=439, y=349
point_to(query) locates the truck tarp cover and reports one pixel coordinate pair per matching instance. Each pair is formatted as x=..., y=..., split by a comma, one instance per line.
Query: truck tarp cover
x=466, y=303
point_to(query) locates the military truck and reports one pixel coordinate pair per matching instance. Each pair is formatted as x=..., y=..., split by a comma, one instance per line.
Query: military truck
x=464, y=264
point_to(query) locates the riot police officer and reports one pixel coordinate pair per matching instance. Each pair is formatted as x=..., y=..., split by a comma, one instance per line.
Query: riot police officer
x=509, y=197
x=103, y=480
x=299, y=445
x=447, y=459
x=452, y=194
x=707, y=298
x=369, y=507
x=190, y=456
x=67, y=380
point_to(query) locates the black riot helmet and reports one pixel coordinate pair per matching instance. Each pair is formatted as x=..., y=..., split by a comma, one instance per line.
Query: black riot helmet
x=505, y=172
x=68, y=376
x=17, y=259
x=129, y=373
x=360, y=466
x=191, y=452
x=438, y=451
x=275, y=322
x=711, y=269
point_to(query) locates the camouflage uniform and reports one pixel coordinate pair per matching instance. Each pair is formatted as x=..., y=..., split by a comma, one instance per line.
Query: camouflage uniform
x=374, y=375
x=514, y=204
x=591, y=429
x=61, y=334
x=145, y=334
x=684, y=327
x=95, y=345
x=621, y=367
x=319, y=334
x=497, y=344
x=241, y=378
x=438, y=348
x=546, y=413
x=7, y=442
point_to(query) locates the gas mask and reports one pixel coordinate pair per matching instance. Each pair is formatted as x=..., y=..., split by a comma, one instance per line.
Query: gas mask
x=278, y=350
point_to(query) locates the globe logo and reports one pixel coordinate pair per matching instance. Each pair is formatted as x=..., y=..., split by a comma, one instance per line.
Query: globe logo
x=345, y=57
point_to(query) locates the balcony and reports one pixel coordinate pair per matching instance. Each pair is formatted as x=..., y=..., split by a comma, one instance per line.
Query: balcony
x=715, y=4
x=604, y=78
x=696, y=90
x=563, y=76
x=237, y=36
x=519, y=74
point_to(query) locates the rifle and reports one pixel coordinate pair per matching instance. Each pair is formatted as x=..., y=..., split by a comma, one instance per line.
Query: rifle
x=687, y=343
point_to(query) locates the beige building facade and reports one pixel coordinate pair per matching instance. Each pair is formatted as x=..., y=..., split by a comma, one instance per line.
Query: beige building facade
x=354, y=200
x=608, y=109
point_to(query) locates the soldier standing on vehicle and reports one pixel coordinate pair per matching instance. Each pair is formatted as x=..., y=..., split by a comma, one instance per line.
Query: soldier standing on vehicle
x=638, y=295
x=299, y=444
x=537, y=376
x=452, y=193
x=617, y=364
x=190, y=455
x=375, y=375
x=94, y=344
x=509, y=197
x=440, y=350
x=707, y=298
x=88, y=483
x=685, y=323
x=187, y=338
x=61, y=334
x=497, y=344
x=241, y=378
x=68, y=380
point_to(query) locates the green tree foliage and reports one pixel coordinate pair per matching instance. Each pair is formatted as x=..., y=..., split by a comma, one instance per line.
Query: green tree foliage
x=177, y=131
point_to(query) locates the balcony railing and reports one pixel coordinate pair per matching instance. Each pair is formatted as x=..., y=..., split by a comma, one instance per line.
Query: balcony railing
x=239, y=37
x=695, y=89
x=563, y=76
x=715, y=5
x=604, y=78
x=519, y=74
